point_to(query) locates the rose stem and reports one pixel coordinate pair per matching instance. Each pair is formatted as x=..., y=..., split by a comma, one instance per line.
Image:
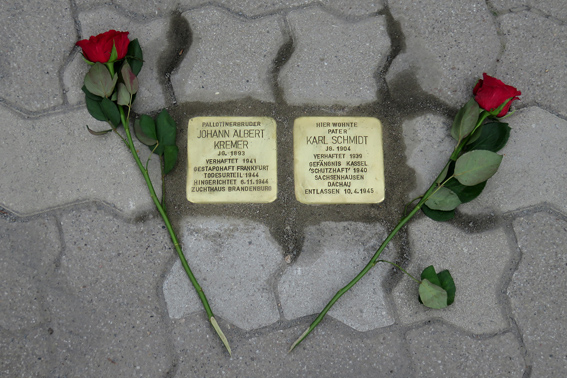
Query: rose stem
x=163, y=214
x=374, y=260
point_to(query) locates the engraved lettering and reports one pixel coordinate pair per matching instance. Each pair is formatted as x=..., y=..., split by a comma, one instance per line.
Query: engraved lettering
x=213, y=134
x=230, y=144
x=316, y=139
x=338, y=160
x=232, y=159
x=349, y=139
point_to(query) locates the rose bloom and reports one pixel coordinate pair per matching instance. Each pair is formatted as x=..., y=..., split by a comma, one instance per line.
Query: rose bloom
x=490, y=93
x=98, y=48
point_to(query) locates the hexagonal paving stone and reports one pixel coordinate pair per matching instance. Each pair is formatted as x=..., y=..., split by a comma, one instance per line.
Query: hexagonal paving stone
x=334, y=60
x=435, y=51
x=529, y=174
x=104, y=304
x=230, y=57
x=333, y=254
x=233, y=261
x=537, y=68
x=53, y=161
x=35, y=38
x=477, y=263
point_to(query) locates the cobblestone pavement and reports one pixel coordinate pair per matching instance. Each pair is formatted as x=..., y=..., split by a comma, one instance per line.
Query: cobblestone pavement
x=91, y=286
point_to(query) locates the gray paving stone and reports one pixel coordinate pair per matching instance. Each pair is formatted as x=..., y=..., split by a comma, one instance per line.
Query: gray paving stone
x=538, y=289
x=334, y=60
x=439, y=351
x=258, y=7
x=355, y=7
x=536, y=68
x=152, y=8
x=25, y=354
x=529, y=174
x=428, y=147
x=35, y=38
x=332, y=350
x=333, y=254
x=19, y=297
x=28, y=251
x=85, y=4
x=246, y=8
x=233, y=261
x=447, y=48
x=230, y=57
x=477, y=263
x=152, y=38
x=554, y=8
x=249, y=8
x=53, y=161
x=105, y=311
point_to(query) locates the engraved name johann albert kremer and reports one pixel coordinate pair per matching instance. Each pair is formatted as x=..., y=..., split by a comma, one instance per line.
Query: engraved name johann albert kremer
x=231, y=160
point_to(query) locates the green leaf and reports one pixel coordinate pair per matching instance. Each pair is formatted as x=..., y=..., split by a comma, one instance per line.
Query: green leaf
x=148, y=126
x=93, y=106
x=476, y=135
x=166, y=131
x=465, y=193
x=442, y=280
x=134, y=56
x=448, y=285
x=443, y=174
x=98, y=133
x=99, y=81
x=431, y=295
x=492, y=137
x=429, y=274
x=443, y=199
x=145, y=130
x=90, y=95
x=169, y=158
x=130, y=80
x=438, y=215
x=465, y=120
x=111, y=112
x=477, y=166
x=123, y=95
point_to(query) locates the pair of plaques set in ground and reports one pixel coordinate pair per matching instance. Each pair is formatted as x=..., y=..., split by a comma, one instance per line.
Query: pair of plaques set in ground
x=337, y=160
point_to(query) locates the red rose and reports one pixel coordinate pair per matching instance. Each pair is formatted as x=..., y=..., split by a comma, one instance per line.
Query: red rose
x=490, y=93
x=98, y=48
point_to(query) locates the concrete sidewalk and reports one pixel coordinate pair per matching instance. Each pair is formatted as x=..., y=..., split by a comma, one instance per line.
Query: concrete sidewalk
x=91, y=286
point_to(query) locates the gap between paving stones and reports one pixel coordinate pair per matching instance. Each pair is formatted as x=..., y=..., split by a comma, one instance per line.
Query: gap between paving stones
x=546, y=9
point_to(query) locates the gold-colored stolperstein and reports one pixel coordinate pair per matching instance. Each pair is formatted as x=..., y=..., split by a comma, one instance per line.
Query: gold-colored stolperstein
x=338, y=160
x=232, y=160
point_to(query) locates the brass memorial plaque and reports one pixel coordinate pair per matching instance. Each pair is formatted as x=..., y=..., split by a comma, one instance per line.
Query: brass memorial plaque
x=338, y=160
x=231, y=159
